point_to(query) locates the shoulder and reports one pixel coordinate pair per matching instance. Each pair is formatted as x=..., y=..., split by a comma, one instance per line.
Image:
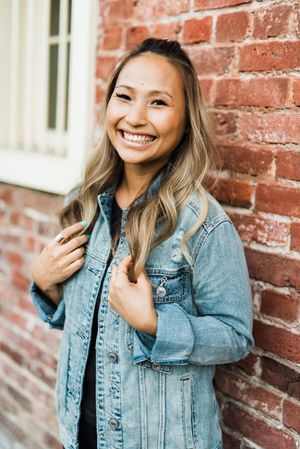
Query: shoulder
x=216, y=213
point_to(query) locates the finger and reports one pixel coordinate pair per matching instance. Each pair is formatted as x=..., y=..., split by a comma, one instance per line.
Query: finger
x=74, y=243
x=74, y=255
x=142, y=278
x=72, y=229
x=124, y=265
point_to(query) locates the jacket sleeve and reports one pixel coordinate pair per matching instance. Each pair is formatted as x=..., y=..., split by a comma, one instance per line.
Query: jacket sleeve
x=47, y=310
x=222, y=330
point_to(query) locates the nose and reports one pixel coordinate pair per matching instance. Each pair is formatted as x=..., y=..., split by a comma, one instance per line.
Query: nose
x=136, y=115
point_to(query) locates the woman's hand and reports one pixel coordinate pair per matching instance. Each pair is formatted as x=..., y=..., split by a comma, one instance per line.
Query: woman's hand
x=133, y=302
x=58, y=261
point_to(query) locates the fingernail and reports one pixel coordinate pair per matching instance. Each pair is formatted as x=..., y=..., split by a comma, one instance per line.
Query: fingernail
x=83, y=223
x=88, y=235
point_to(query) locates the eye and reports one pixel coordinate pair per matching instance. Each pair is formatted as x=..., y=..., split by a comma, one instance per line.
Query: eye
x=123, y=96
x=158, y=102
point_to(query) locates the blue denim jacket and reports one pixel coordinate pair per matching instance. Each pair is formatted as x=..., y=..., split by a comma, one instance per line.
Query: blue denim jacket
x=154, y=392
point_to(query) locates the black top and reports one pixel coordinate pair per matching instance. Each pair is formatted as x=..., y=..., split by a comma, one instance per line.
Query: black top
x=88, y=404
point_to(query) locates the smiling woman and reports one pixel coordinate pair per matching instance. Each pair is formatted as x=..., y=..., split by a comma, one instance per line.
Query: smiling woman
x=159, y=292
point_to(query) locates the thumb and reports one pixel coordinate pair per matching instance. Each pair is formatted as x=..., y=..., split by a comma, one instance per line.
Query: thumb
x=142, y=278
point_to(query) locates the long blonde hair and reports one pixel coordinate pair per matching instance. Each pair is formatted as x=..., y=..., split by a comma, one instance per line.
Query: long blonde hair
x=190, y=162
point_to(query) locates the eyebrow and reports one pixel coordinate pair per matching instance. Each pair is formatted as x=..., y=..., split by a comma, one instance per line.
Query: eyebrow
x=151, y=92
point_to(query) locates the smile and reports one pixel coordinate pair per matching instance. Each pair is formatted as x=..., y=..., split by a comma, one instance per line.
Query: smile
x=136, y=138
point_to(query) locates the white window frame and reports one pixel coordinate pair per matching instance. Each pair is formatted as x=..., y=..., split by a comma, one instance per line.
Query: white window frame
x=53, y=173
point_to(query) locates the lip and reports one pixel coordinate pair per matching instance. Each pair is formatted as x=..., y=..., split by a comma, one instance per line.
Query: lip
x=134, y=133
x=135, y=144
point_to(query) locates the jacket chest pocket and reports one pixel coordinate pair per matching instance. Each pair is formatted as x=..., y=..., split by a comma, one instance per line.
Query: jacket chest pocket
x=168, y=286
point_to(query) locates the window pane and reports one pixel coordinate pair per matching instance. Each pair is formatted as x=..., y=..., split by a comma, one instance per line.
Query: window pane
x=52, y=88
x=54, y=19
x=67, y=88
x=69, y=16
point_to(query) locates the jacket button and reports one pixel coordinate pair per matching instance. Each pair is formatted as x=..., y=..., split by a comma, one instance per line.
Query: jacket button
x=155, y=366
x=114, y=423
x=112, y=357
x=161, y=292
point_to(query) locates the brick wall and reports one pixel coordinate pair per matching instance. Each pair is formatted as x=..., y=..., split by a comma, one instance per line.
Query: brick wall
x=247, y=55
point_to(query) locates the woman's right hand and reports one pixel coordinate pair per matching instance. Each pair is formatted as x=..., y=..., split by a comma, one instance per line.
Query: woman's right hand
x=58, y=261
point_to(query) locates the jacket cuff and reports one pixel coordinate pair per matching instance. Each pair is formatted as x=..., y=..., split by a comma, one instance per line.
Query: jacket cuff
x=47, y=310
x=174, y=340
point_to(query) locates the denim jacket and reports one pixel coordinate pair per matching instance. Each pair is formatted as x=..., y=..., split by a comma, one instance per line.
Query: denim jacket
x=154, y=392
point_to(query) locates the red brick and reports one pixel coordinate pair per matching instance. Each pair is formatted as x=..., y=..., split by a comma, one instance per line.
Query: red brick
x=197, y=30
x=273, y=127
x=296, y=88
x=13, y=258
x=291, y=415
x=288, y=165
x=281, y=306
x=99, y=94
x=104, y=66
x=278, y=199
x=166, y=30
x=271, y=21
x=280, y=376
x=136, y=35
x=248, y=364
x=255, y=429
x=217, y=60
x=6, y=193
x=278, y=341
x=211, y=4
x=230, y=442
x=295, y=236
x=267, y=92
x=243, y=391
x=116, y=10
x=276, y=269
x=169, y=7
x=261, y=230
x=224, y=123
x=20, y=281
x=206, y=89
x=270, y=56
x=112, y=37
x=232, y=27
x=246, y=159
x=233, y=192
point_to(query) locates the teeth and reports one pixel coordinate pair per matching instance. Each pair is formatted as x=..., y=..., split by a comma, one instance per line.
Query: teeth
x=137, y=138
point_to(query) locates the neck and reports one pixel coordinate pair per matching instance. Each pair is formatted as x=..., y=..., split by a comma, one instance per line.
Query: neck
x=136, y=179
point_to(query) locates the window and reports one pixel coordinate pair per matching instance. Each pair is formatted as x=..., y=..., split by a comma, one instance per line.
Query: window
x=47, y=53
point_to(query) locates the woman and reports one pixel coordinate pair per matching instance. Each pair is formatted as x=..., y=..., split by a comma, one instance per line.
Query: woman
x=159, y=294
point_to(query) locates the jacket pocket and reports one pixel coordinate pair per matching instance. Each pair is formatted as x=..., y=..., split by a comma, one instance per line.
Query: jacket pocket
x=167, y=286
x=187, y=411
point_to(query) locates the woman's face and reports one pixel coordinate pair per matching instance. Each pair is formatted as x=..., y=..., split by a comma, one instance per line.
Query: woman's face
x=146, y=112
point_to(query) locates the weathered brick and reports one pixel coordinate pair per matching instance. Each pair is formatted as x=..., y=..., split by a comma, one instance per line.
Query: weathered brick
x=270, y=56
x=278, y=199
x=232, y=27
x=288, y=165
x=280, y=376
x=273, y=127
x=206, y=89
x=271, y=21
x=217, y=60
x=230, y=442
x=234, y=193
x=247, y=365
x=137, y=34
x=261, y=230
x=104, y=66
x=166, y=30
x=278, y=341
x=276, y=269
x=257, y=430
x=112, y=37
x=295, y=236
x=169, y=7
x=243, y=391
x=197, y=30
x=99, y=94
x=20, y=281
x=246, y=159
x=281, y=306
x=224, y=123
x=296, y=91
x=116, y=10
x=291, y=415
x=210, y=4
x=267, y=92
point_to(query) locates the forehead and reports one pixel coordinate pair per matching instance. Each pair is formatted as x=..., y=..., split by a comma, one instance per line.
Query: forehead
x=151, y=71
